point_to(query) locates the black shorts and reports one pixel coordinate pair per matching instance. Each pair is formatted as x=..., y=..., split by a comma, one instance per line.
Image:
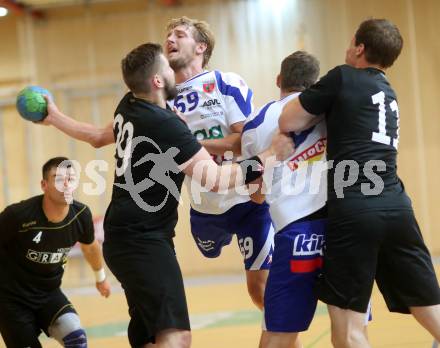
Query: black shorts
x=382, y=245
x=21, y=322
x=153, y=285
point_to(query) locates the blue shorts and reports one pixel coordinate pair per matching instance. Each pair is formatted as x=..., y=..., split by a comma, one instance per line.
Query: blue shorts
x=290, y=300
x=249, y=221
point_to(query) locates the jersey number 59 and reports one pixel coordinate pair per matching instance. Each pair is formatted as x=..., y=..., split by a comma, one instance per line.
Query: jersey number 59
x=246, y=247
x=192, y=99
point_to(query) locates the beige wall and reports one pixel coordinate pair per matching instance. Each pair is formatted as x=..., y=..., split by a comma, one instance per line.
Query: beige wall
x=76, y=51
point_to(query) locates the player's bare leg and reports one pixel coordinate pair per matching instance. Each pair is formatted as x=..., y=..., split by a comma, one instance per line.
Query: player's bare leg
x=256, y=283
x=172, y=338
x=429, y=318
x=348, y=328
x=279, y=340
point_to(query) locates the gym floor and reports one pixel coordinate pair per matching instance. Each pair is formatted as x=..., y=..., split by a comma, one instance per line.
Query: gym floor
x=222, y=315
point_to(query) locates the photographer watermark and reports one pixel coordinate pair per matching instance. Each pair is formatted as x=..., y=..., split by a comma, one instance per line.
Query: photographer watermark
x=301, y=175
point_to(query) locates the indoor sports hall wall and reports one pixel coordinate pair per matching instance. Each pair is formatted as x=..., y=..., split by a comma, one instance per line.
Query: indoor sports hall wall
x=76, y=51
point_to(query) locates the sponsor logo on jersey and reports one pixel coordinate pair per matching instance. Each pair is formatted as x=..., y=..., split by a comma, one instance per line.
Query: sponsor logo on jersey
x=208, y=87
x=44, y=256
x=183, y=89
x=212, y=114
x=311, y=154
x=213, y=133
x=205, y=245
x=308, y=245
x=64, y=250
x=210, y=102
x=28, y=224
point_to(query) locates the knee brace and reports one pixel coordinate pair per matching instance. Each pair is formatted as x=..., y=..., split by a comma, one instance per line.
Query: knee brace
x=67, y=330
x=76, y=339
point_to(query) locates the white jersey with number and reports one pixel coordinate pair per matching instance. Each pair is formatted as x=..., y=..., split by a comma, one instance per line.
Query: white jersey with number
x=211, y=102
x=298, y=187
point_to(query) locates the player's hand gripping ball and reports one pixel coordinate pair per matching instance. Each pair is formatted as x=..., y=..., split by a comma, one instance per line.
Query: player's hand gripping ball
x=31, y=104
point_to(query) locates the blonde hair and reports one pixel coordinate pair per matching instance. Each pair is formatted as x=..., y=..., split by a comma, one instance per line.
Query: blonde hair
x=201, y=33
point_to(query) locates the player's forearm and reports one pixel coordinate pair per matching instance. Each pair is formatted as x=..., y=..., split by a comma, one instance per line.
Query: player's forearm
x=226, y=176
x=203, y=170
x=252, y=169
x=95, y=136
x=209, y=175
x=247, y=172
x=93, y=255
x=295, y=118
x=231, y=142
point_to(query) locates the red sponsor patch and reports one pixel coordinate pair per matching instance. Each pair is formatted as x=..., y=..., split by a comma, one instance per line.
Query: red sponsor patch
x=208, y=87
x=317, y=149
x=305, y=266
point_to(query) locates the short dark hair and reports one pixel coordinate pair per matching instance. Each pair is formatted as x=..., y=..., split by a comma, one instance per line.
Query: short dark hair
x=299, y=71
x=382, y=41
x=54, y=163
x=139, y=65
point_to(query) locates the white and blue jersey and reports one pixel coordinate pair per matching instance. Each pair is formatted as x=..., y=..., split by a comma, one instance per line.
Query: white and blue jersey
x=211, y=102
x=299, y=186
x=294, y=194
x=297, y=197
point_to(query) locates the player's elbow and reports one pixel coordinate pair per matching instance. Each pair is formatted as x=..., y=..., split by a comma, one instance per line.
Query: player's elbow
x=96, y=143
x=100, y=140
x=284, y=123
x=86, y=249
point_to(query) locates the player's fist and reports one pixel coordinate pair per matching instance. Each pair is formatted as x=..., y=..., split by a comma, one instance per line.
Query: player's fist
x=282, y=146
x=52, y=112
x=104, y=288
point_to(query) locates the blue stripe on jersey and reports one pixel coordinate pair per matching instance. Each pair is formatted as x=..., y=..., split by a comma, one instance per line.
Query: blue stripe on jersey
x=259, y=119
x=225, y=89
x=298, y=139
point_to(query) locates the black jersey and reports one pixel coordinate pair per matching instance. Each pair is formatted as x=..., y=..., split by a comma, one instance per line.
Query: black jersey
x=150, y=143
x=34, y=250
x=362, y=118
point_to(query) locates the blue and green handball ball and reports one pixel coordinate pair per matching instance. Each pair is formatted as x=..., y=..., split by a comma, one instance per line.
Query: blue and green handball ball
x=31, y=104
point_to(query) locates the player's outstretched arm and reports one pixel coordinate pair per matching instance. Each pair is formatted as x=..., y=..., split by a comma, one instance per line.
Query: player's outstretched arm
x=294, y=118
x=89, y=133
x=231, y=142
x=93, y=255
x=215, y=178
x=207, y=173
